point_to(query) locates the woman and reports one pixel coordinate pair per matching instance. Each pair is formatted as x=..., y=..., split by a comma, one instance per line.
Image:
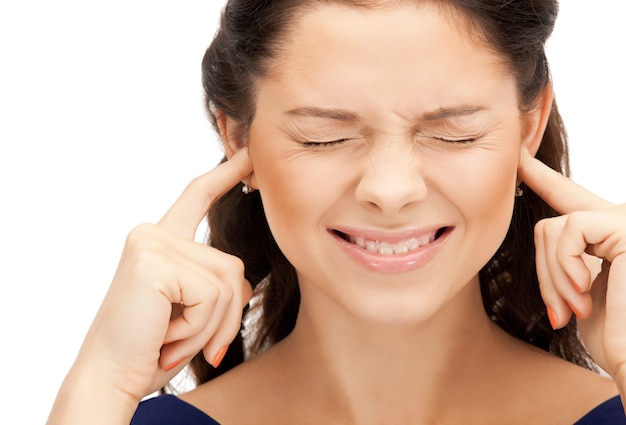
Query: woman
x=386, y=152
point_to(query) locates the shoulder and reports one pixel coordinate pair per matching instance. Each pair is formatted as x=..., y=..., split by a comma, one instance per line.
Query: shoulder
x=582, y=396
x=611, y=412
x=170, y=410
x=242, y=395
x=543, y=388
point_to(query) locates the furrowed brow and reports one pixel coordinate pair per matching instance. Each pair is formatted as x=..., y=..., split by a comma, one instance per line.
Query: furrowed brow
x=451, y=112
x=332, y=114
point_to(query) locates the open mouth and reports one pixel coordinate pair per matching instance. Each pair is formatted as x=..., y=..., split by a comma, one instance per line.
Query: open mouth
x=396, y=248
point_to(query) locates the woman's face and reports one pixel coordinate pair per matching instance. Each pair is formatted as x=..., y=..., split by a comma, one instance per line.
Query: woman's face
x=385, y=147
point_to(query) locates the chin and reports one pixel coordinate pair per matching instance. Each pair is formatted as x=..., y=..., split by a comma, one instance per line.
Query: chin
x=404, y=308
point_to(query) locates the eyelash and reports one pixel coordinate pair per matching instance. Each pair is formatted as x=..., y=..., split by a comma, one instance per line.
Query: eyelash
x=318, y=145
x=455, y=142
x=321, y=145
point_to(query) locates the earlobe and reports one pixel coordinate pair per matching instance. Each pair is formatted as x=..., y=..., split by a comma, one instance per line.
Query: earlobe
x=537, y=121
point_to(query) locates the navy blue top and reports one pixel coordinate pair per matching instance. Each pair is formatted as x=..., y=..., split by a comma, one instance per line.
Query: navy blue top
x=170, y=410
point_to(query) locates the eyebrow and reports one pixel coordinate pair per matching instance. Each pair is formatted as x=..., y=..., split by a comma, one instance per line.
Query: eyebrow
x=344, y=115
x=451, y=112
x=333, y=114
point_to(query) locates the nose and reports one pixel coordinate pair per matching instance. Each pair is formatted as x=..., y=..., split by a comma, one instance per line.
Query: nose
x=391, y=180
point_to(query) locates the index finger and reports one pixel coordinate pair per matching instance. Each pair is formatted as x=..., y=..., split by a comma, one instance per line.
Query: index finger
x=193, y=204
x=558, y=191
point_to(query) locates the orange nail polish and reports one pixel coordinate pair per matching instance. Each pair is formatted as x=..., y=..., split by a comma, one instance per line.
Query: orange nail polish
x=554, y=322
x=576, y=311
x=219, y=356
x=173, y=365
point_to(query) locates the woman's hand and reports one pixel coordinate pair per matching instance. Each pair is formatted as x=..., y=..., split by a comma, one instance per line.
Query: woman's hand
x=170, y=298
x=581, y=264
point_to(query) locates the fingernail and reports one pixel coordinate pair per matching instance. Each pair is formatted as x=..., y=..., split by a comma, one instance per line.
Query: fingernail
x=576, y=311
x=552, y=317
x=219, y=356
x=173, y=365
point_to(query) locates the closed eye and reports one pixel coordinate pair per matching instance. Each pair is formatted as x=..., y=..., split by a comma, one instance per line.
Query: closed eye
x=311, y=144
x=468, y=140
x=454, y=141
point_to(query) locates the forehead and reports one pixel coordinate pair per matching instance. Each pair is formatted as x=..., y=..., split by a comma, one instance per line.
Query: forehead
x=328, y=23
x=406, y=50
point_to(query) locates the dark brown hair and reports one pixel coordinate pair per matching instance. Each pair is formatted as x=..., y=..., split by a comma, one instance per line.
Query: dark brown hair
x=241, y=53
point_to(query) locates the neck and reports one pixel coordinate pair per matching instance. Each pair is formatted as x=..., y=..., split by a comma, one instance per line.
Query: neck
x=369, y=370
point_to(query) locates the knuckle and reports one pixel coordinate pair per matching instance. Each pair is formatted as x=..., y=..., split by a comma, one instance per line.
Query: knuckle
x=144, y=249
x=227, y=293
x=539, y=229
x=211, y=292
x=141, y=233
x=234, y=266
x=549, y=227
x=574, y=219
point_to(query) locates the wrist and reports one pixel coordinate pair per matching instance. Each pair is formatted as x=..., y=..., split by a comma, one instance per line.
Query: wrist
x=86, y=397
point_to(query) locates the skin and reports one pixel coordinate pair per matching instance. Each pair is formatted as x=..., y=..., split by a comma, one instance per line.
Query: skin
x=393, y=171
x=370, y=346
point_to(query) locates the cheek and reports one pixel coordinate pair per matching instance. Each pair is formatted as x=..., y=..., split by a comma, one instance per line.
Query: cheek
x=482, y=188
x=296, y=192
x=489, y=187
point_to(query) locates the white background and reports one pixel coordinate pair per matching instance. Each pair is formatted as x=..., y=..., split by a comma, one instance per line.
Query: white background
x=102, y=125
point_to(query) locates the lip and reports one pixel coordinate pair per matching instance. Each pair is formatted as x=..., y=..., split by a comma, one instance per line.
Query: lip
x=396, y=263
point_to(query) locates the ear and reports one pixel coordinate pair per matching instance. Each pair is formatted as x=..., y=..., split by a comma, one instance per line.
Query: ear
x=233, y=139
x=536, y=121
x=230, y=133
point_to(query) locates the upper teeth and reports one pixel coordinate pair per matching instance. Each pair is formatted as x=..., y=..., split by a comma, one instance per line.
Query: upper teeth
x=386, y=248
